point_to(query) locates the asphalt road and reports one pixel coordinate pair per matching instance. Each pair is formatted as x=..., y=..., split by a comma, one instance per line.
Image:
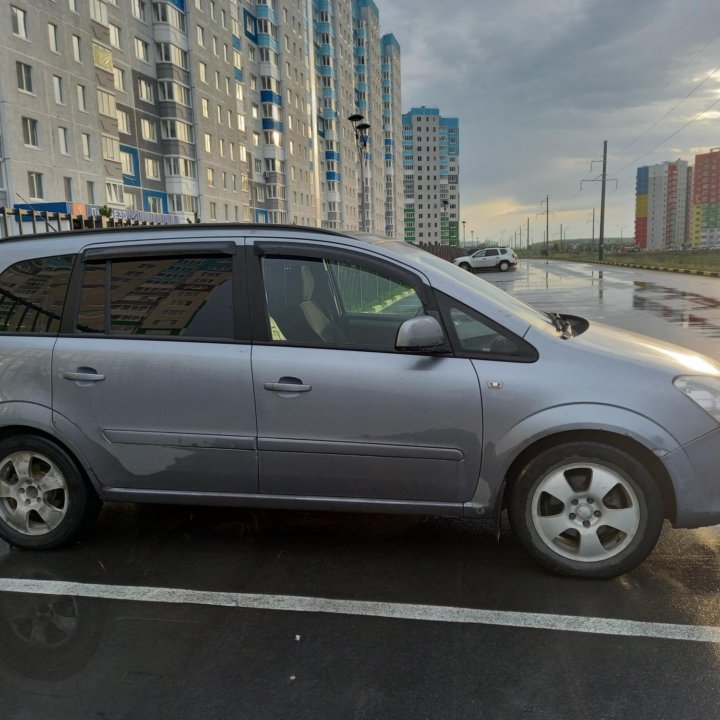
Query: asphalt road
x=310, y=615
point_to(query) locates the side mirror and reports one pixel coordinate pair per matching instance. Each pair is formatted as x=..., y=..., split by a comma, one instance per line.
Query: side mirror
x=421, y=334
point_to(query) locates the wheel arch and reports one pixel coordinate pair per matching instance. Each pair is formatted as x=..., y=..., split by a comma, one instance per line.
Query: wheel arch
x=622, y=442
x=8, y=431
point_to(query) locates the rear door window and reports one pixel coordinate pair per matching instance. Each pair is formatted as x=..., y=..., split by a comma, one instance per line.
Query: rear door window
x=188, y=297
x=32, y=295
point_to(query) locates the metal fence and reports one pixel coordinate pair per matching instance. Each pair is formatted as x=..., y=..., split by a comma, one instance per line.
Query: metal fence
x=19, y=221
x=446, y=252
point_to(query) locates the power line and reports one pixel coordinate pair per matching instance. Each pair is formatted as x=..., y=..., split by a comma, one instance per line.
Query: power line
x=669, y=137
x=672, y=109
x=670, y=82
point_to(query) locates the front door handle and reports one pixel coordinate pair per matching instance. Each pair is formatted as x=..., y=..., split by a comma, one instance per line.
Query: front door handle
x=288, y=385
x=83, y=375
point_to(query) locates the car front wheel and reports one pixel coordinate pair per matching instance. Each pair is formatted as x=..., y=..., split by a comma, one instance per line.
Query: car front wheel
x=586, y=509
x=465, y=266
x=45, y=501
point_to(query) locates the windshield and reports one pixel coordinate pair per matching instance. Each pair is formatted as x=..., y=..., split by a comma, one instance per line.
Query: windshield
x=481, y=287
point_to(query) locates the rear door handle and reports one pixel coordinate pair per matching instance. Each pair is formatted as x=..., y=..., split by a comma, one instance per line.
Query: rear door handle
x=288, y=385
x=86, y=376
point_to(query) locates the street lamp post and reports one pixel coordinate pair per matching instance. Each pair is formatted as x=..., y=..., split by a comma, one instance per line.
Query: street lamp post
x=472, y=237
x=463, y=224
x=360, y=129
x=443, y=221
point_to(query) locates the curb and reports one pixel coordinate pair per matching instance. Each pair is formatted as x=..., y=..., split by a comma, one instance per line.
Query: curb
x=682, y=271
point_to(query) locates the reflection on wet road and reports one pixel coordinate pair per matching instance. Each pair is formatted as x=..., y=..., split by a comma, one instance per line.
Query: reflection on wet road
x=683, y=309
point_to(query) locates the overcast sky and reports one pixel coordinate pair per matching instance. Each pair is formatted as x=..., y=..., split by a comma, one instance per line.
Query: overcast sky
x=538, y=85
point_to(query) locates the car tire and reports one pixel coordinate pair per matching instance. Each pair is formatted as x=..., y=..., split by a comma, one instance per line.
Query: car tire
x=45, y=500
x=567, y=503
x=465, y=266
x=504, y=265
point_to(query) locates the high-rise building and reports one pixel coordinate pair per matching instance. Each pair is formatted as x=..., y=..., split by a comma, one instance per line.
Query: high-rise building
x=431, y=146
x=227, y=110
x=662, y=203
x=706, y=200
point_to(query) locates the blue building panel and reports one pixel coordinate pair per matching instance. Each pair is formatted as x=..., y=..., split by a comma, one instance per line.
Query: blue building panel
x=238, y=74
x=332, y=155
x=179, y=4
x=388, y=141
x=134, y=179
x=250, y=25
x=332, y=176
x=388, y=156
x=236, y=42
x=270, y=124
x=262, y=216
x=268, y=96
x=147, y=194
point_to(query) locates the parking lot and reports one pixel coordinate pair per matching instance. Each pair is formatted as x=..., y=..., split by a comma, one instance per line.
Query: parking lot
x=182, y=612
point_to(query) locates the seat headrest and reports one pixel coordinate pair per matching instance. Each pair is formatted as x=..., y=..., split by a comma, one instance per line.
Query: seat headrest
x=308, y=283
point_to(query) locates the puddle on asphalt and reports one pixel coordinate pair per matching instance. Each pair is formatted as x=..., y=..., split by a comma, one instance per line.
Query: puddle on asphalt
x=682, y=316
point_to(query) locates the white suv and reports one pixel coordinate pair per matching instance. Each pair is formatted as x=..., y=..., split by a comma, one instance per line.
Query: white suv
x=501, y=258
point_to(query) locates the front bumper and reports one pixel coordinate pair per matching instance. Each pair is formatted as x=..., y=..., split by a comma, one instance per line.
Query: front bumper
x=695, y=473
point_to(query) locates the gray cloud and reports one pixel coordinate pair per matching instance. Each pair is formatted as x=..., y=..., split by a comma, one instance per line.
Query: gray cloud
x=539, y=85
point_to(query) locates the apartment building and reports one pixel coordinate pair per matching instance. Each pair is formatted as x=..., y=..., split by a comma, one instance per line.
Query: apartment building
x=431, y=147
x=662, y=205
x=706, y=200
x=219, y=110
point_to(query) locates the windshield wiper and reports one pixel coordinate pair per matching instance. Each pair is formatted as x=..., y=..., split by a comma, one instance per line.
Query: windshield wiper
x=561, y=324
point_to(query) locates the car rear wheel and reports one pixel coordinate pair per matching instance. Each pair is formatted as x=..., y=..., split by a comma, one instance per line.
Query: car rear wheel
x=504, y=265
x=45, y=501
x=586, y=509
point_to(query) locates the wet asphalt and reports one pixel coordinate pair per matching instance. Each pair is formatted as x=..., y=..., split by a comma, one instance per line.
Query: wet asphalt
x=82, y=658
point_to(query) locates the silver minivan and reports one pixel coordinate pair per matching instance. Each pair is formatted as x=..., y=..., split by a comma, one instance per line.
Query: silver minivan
x=273, y=366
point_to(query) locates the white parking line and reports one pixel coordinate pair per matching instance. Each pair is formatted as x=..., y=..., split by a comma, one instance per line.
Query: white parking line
x=396, y=611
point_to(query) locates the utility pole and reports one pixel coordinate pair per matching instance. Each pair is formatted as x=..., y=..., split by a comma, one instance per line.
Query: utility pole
x=527, y=234
x=546, y=201
x=602, y=179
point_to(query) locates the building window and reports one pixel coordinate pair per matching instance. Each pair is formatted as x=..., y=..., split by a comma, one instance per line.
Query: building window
x=85, y=141
x=63, y=141
x=119, y=79
x=77, y=55
x=90, y=189
x=114, y=193
x=213, y=211
x=30, y=132
x=19, y=22
x=110, y=148
x=35, y=185
x=147, y=130
x=205, y=107
x=53, y=37
x=123, y=120
x=114, y=35
x=106, y=103
x=142, y=50
x=145, y=90
x=98, y=12
x=208, y=142
x=137, y=8
x=58, y=90
x=24, y=77
x=127, y=163
x=152, y=169
x=82, y=103
x=203, y=72
x=201, y=36
x=67, y=186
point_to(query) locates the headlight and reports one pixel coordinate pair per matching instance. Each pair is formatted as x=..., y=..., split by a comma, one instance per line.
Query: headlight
x=705, y=391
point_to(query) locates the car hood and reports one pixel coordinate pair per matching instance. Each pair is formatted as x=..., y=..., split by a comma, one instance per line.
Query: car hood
x=645, y=351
